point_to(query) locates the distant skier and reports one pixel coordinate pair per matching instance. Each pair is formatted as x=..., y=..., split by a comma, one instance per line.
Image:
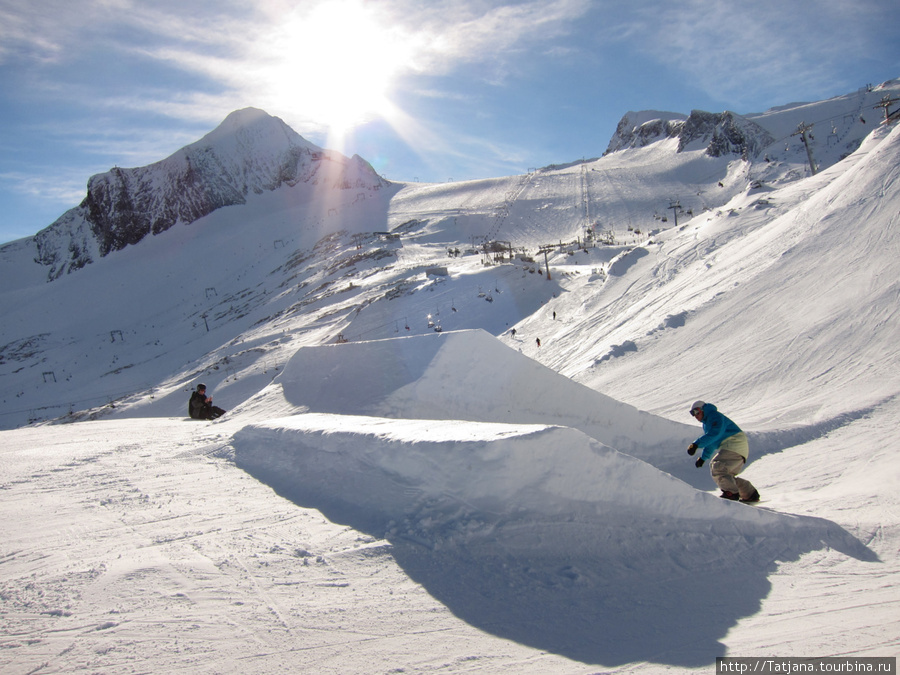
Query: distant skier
x=538, y=340
x=724, y=439
x=200, y=406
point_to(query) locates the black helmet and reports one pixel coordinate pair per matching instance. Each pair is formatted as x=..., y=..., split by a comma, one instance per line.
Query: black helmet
x=201, y=386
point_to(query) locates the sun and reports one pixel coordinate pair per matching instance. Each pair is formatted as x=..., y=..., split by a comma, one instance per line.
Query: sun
x=335, y=64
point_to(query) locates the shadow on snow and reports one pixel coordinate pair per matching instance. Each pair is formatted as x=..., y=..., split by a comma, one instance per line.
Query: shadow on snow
x=635, y=590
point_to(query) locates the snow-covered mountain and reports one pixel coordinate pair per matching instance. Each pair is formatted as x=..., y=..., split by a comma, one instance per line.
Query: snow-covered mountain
x=483, y=387
x=722, y=134
x=249, y=153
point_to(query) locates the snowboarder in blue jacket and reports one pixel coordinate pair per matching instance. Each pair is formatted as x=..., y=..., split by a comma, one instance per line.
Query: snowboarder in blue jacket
x=726, y=444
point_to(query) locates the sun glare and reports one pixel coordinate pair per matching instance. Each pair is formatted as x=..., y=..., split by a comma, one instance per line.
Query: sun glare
x=335, y=65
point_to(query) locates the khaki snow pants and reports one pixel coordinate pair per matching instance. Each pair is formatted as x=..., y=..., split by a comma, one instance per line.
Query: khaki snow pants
x=728, y=463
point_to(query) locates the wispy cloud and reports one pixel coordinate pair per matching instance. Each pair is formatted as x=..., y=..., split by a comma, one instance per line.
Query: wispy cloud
x=218, y=40
x=726, y=48
x=237, y=56
x=194, y=62
x=69, y=191
x=770, y=48
x=33, y=31
x=436, y=141
x=265, y=59
x=473, y=31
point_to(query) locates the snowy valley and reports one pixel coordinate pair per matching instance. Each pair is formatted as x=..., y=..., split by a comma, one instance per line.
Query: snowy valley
x=457, y=413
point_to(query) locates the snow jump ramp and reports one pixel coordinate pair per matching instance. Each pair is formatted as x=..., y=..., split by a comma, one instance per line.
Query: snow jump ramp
x=469, y=375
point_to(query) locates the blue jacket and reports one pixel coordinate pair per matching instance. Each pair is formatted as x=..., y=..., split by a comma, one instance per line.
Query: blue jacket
x=716, y=428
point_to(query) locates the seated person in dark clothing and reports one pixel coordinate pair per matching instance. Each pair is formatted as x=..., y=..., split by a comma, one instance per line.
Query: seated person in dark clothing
x=200, y=406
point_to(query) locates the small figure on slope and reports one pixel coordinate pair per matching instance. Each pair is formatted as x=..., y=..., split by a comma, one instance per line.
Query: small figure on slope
x=724, y=441
x=200, y=406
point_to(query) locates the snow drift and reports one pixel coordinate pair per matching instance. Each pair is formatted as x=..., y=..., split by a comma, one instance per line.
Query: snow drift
x=457, y=482
x=506, y=524
x=472, y=376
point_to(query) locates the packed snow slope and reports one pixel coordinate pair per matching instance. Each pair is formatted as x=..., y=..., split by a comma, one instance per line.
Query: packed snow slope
x=798, y=284
x=483, y=387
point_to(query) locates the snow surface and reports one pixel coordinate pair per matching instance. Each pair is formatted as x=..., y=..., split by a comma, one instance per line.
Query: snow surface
x=415, y=501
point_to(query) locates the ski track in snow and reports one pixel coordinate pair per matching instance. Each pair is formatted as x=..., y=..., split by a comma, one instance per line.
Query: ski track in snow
x=192, y=565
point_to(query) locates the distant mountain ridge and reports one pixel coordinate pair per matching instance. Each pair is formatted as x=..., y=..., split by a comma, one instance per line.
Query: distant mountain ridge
x=723, y=134
x=249, y=152
x=254, y=152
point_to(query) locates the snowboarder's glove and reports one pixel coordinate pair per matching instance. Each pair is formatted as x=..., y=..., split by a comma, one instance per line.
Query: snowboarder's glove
x=699, y=463
x=692, y=448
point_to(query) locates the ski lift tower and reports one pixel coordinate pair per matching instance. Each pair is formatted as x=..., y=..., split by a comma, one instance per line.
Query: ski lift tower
x=802, y=129
x=675, y=205
x=545, y=249
x=886, y=103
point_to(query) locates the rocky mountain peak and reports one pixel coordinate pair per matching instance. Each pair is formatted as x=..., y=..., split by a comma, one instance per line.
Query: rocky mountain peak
x=721, y=134
x=249, y=152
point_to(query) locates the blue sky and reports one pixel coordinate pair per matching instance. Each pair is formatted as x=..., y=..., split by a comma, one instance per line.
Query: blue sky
x=425, y=90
